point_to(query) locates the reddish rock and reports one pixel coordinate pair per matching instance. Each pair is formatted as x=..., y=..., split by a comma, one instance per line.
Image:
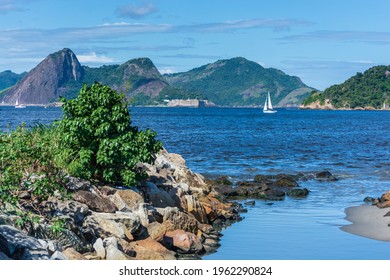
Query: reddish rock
x=183, y=242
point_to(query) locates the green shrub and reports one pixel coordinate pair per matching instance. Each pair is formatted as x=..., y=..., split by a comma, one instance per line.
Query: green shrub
x=98, y=141
x=27, y=164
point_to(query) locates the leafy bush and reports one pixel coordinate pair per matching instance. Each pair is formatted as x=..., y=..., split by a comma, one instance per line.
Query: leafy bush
x=98, y=141
x=27, y=164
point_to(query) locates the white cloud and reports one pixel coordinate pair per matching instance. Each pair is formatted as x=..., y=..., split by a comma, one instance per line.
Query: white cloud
x=167, y=70
x=136, y=11
x=94, y=58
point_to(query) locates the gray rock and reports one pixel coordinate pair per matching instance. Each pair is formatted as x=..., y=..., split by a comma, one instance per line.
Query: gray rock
x=298, y=193
x=76, y=184
x=19, y=246
x=99, y=248
x=112, y=251
x=57, y=255
x=4, y=257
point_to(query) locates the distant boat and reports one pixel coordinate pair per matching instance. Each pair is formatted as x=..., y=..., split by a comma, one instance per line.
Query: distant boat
x=19, y=106
x=268, y=109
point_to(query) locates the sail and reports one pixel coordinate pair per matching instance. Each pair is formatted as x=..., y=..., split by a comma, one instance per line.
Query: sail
x=269, y=102
x=265, y=105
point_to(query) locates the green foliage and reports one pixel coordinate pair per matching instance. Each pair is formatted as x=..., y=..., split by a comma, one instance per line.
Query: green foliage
x=26, y=220
x=368, y=89
x=58, y=225
x=314, y=97
x=98, y=140
x=236, y=82
x=27, y=164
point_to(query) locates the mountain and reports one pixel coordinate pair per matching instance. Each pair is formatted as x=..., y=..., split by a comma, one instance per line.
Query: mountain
x=240, y=82
x=232, y=82
x=48, y=80
x=60, y=74
x=9, y=78
x=370, y=89
x=138, y=79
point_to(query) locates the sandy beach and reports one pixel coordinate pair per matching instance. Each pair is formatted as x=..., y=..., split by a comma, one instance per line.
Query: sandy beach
x=368, y=221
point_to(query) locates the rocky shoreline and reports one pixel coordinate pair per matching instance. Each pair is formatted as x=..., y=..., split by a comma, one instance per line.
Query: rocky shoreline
x=174, y=214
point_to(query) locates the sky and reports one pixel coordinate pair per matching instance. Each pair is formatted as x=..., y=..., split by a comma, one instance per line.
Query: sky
x=323, y=42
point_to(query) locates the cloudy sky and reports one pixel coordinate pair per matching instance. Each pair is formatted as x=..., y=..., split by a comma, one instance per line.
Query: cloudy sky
x=323, y=42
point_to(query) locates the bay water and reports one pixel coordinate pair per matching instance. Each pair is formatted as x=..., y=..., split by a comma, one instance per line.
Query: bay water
x=243, y=142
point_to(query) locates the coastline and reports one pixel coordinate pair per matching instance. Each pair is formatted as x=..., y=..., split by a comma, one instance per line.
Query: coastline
x=368, y=221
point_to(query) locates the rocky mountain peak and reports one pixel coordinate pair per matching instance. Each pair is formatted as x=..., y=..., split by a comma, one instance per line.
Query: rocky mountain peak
x=46, y=82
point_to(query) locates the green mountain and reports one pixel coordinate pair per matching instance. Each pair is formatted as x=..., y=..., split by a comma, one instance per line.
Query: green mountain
x=240, y=82
x=9, y=78
x=60, y=74
x=233, y=82
x=370, y=89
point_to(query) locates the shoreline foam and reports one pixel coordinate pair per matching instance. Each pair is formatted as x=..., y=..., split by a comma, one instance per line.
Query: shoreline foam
x=368, y=221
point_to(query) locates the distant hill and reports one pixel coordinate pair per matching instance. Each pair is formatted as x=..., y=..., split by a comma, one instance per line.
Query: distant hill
x=370, y=89
x=9, y=78
x=232, y=82
x=138, y=79
x=240, y=82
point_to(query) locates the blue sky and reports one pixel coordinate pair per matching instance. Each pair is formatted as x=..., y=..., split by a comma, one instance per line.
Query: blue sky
x=322, y=42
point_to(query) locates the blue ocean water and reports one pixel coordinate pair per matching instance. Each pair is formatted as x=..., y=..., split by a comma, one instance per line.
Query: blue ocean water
x=240, y=143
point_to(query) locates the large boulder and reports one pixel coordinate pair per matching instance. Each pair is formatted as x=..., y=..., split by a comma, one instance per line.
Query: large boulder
x=178, y=219
x=95, y=201
x=157, y=196
x=19, y=246
x=183, y=242
x=126, y=200
x=112, y=225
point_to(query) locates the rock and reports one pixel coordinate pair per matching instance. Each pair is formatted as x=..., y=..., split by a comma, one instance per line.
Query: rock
x=369, y=199
x=99, y=248
x=4, y=257
x=77, y=184
x=250, y=203
x=147, y=249
x=298, y=193
x=95, y=202
x=57, y=255
x=156, y=231
x=74, y=209
x=383, y=204
x=265, y=179
x=112, y=251
x=325, y=176
x=196, y=209
x=107, y=224
x=158, y=197
x=183, y=242
x=126, y=200
x=224, y=180
x=285, y=182
x=274, y=194
x=385, y=196
x=178, y=219
x=153, y=245
x=19, y=246
x=251, y=189
x=72, y=254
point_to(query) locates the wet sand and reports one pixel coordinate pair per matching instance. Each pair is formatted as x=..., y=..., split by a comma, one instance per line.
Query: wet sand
x=368, y=221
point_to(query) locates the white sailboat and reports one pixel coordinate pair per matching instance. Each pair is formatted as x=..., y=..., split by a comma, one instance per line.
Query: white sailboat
x=268, y=105
x=19, y=106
